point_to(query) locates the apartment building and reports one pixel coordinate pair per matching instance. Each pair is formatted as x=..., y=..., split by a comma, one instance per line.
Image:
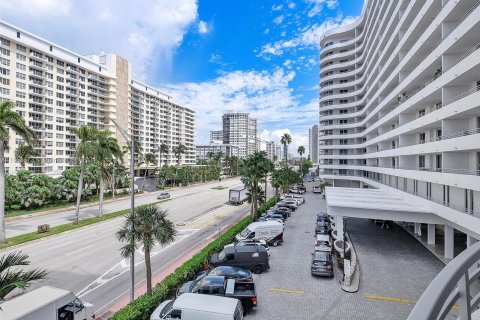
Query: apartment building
x=400, y=116
x=216, y=136
x=271, y=150
x=56, y=90
x=241, y=130
x=313, y=143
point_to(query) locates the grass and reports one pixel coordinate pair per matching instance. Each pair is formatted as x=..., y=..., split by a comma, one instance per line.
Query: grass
x=23, y=238
x=59, y=205
x=219, y=188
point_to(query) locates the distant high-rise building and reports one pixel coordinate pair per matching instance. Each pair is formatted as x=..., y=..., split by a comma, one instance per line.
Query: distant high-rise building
x=216, y=136
x=240, y=130
x=313, y=143
x=271, y=150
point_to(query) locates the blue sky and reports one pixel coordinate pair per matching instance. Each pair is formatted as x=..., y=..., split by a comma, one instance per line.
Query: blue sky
x=245, y=55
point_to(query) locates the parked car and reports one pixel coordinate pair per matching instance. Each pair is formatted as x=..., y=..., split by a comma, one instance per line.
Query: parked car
x=322, y=264
x=322, y=227
x=276, y=219
x=270, y=231
x=322, y=217
x=286, y=210
x=299, y=198
x=291, y=202
x=290, y=206
x=191, y=306
x=296, y=190
x=323, y=243
x=252, y=242
x=163, y=195
x=310, y=179
x=317, y=189
x=254, y=258
x=239, y=274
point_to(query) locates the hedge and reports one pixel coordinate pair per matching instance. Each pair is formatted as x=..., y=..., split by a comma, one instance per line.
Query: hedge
x=142, y=307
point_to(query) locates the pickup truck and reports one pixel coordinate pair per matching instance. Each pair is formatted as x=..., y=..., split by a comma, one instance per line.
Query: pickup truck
x=220, y=286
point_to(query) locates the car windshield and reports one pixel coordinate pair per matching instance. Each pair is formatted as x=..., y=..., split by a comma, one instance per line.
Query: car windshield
x=166, y=309
x=322, y=243
x=221, y=255
x=244, y=233
x=320, y=256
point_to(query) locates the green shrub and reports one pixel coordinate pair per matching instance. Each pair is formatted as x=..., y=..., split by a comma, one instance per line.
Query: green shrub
x=142, y=307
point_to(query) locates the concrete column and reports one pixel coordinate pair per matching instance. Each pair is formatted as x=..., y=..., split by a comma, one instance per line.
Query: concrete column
x=471, y=240
x=339, y=225
x=418, y=229
x=449, y=242
x=361, y=184
x=431, y=234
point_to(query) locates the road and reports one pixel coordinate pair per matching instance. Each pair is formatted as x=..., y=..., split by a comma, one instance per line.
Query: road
x=30, y=224
x=87, y=261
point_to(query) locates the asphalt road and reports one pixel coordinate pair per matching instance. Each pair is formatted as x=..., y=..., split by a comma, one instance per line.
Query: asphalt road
x=27, y=225
x=87, y=261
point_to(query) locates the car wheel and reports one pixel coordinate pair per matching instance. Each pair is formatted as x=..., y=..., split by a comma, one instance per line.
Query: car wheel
x=257, y=269
x=275, y=243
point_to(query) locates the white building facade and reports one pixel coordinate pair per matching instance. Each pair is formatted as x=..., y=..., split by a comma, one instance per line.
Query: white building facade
x=400, y=114
x=313, y=143
x=216, y=136
x=241, y=130
x=55, y=90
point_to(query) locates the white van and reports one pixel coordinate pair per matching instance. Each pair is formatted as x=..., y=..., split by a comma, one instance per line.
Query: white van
x=193, y=306
x=270, y=231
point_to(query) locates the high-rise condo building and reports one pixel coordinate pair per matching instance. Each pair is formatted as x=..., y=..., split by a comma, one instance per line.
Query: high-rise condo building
x=313, y=143
x=400, y=117
x=241, y=130
x=56, y=90
x=216, y=136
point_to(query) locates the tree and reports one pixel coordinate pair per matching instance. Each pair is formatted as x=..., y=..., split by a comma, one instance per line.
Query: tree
x=12, y=278
x=301, y=151
x=148, y=227
x=163, y=149
x=253, y=172
x=275, y=158
x=178, y=151
x=85, y=153
x=24, y=154
x=9, y=119
x=108, y=151
x=286, y=140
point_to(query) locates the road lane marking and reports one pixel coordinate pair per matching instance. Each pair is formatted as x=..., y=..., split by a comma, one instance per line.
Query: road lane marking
x=368, y=296
x=287, y=291
x=124, y=267
x=73, y=252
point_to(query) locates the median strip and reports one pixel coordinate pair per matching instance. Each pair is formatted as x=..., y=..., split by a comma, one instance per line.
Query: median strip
x=27, y=237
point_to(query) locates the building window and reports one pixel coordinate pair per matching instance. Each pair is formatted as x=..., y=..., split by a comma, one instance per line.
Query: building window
x=421, y=162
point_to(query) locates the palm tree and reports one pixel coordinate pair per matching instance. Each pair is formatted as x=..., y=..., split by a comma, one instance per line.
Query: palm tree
x=108, y=151
x=253, y=173
x=286, y=140
x=12, y=278
x=275, y=158
x=163, y=149
x=178, y=151
x=86, y=152
x=301, y=151
x=151, y=228
x=9, y=119
x=150, y=158
x=24, y=153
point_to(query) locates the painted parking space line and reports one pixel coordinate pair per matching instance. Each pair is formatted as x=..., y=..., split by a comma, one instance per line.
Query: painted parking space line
x=407, y=301
x=286, y=291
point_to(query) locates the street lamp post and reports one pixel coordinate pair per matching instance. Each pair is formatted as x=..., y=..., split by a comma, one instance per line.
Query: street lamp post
x=131, y=141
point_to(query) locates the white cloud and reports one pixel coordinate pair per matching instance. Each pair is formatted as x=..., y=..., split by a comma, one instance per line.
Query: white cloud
x=146, y=32
x=203, y=27
x=319, y=4
x=267, y=31
x=292, y=5
x=279, y=19
x=307, y=37
x=277, y=7
x=283, y=33
x=265, y=94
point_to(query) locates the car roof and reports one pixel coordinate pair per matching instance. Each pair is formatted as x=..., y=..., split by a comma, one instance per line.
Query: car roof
x=245, y=248
x=206, y=303
x=264, y=224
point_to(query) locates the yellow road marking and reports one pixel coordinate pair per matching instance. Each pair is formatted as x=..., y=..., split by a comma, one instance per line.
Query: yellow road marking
x=388, y=299
x=287, y=291
x=368, y=296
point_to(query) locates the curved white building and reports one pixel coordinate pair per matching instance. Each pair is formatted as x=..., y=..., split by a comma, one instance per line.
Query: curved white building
x=400, y=115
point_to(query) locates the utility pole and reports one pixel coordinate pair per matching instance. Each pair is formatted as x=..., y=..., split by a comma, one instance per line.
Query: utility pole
x=131, y=141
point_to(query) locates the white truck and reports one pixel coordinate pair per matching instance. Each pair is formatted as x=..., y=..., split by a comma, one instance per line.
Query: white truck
x=237, y=195
x=46, y=303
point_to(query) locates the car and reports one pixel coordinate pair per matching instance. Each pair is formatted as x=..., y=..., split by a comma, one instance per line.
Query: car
x=322, y=217
x=322, y=264
x=317, y=189
x=287, y=210
x=322, y=228
x=276, y=219
x=253, y=242
x=239, y=274
x=310, y=180
x=163, y=195
x=296, y=190
x=286, y=205
x=292, y=202
x=297, y=197
x=254, y=258
x=323, y=243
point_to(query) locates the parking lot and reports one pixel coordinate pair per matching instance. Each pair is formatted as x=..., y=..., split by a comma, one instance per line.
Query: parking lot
x=395, y=269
